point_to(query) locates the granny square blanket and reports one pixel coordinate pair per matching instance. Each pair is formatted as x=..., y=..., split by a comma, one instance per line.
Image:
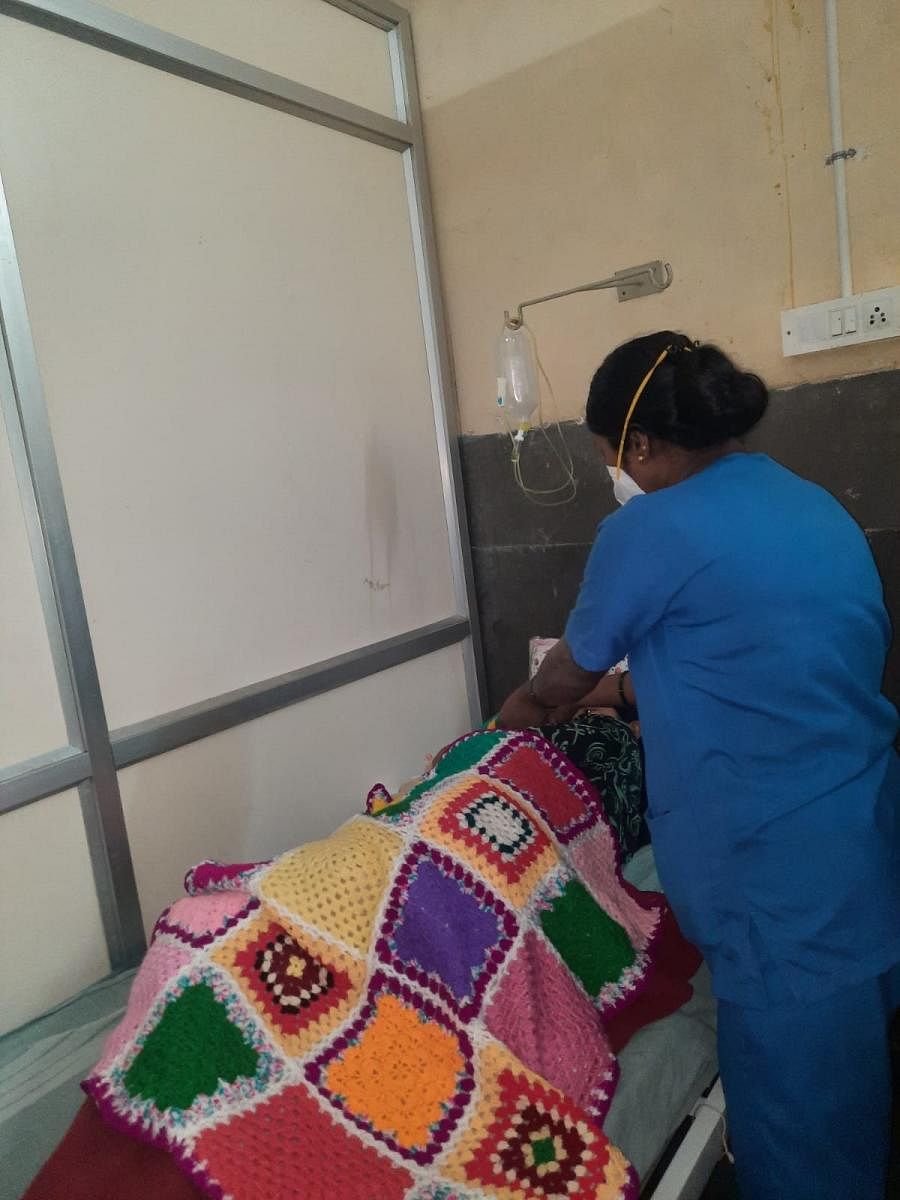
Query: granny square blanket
x=411, y=1009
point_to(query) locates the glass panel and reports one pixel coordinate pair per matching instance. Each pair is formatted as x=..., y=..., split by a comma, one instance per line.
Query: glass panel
x=31, y=718
x=309, y=41
x=295, y=775
x=235, y=369
x=51, y=937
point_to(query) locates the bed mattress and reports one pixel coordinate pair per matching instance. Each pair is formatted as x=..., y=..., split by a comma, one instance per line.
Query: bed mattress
x=666, y=1066
x=41, y=1066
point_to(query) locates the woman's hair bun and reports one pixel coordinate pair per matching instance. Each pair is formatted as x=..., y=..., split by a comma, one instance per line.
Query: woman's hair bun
x=695, y=397
x=714, y=400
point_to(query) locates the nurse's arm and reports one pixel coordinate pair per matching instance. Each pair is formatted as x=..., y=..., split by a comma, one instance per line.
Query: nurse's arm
x=559, y=681
x=606, y=693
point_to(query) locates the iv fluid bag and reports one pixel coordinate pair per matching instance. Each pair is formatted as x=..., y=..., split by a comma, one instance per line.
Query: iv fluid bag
x=518, y=388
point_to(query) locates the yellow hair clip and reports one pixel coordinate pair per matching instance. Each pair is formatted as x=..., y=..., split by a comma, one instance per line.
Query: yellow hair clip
x=633, y=405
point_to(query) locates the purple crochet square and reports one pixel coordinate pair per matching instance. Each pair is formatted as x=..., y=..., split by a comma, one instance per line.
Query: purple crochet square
x=444, y=929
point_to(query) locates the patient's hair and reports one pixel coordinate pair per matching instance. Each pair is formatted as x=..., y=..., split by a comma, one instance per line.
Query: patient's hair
x=696, y=397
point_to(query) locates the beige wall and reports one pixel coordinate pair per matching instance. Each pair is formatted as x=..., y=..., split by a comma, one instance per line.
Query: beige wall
x=570, y=138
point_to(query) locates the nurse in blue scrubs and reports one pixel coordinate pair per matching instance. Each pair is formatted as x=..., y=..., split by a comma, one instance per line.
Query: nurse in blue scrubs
x=753, y=617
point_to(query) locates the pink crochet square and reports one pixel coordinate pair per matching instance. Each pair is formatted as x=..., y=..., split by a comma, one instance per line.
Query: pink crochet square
x=199, y=920
x=161, y=964
x=547, y=1021
x=594, y=857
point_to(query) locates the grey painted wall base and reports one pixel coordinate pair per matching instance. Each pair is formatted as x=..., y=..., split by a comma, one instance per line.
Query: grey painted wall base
x=844, y=434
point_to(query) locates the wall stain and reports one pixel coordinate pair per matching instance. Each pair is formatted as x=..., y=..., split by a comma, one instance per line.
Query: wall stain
x=765, y=112
x=382, y=514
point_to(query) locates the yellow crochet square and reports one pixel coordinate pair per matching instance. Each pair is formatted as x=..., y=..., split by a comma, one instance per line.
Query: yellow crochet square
x=491, y=828
x=301, y=986
x=525, y=1140
x=337, y=884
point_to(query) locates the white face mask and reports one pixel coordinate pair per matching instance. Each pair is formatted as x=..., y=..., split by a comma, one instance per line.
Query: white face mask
x=624, y=487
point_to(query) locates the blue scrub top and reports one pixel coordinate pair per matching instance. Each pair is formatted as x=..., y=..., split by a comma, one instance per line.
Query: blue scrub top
x=753, y=616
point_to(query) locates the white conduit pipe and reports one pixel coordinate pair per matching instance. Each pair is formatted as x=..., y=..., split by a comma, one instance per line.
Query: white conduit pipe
x=838, y=150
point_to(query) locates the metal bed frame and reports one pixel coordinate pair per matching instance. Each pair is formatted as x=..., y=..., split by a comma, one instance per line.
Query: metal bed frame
x=696, y=1154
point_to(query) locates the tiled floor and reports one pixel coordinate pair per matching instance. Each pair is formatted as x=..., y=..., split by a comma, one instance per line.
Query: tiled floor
x=723, y=1186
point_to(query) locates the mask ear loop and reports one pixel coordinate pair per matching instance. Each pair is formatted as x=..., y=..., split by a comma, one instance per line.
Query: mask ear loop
x=632, y=406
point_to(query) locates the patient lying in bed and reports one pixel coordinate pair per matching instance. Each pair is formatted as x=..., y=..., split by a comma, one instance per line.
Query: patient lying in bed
x=427, y=1003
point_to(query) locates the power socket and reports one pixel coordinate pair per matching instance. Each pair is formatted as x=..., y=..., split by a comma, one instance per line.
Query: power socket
x=848, y=321
x=877, y=315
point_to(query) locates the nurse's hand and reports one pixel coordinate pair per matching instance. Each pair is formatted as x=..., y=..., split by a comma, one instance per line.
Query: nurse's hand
x=522, y=711
x=566, y=712
x=560, y=682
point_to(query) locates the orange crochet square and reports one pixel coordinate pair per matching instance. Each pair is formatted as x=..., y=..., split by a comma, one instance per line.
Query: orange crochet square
x=337, y=884
x=488, y=826
x=301, y=986
x=402, y=1070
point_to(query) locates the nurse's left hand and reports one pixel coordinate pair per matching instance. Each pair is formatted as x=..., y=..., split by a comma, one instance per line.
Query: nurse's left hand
x=521, y=711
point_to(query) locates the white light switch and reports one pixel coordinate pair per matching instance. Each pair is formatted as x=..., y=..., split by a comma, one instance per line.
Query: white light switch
x=841, y=321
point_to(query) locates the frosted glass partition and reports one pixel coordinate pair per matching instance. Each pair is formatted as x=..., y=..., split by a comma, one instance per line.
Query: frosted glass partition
x=306, y=40
x=31, y=719
x=295, y=775
x=232, y=351
x=51, y=938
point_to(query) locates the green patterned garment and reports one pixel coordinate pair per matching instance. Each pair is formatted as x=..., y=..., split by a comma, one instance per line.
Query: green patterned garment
x=608, y=753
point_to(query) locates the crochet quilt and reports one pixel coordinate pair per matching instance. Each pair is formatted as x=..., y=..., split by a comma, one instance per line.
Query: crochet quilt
x=411, y=1009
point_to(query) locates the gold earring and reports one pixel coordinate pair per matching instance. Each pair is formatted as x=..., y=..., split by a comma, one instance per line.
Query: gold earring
x=641, y=457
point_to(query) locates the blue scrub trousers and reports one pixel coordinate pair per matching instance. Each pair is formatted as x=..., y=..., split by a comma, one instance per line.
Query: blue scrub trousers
x=808, y=1093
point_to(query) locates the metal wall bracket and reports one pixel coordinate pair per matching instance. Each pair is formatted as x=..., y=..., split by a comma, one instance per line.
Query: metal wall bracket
x=644, y=280
x=629, y=284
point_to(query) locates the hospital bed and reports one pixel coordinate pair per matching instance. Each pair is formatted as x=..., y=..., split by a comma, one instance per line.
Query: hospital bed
x=667, y=1112
x=667, y=1071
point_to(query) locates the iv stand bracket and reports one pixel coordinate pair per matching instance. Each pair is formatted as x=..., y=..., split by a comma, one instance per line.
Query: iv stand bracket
x=630, y=284
x=643, y=280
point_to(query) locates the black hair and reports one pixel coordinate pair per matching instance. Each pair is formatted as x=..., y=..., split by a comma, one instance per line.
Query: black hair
x=697, y=397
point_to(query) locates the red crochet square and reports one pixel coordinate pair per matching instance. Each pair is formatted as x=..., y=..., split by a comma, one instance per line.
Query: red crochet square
x=301, y=986
x=474, y=818
x=289, y=1147
x=538, y=1146
x=292, y=985
x=546, y=780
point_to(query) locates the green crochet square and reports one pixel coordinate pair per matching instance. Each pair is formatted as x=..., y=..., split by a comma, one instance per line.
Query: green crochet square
x=543, y=1151
x=192, y=1050
x=460, y=757
x=594, y=947
x=463, y=755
